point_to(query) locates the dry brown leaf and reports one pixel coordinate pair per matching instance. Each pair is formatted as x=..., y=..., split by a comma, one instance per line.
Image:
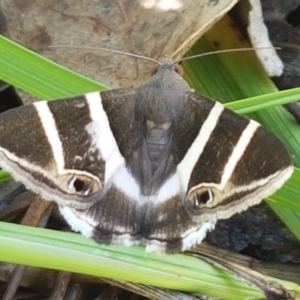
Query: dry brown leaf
x=151, y=28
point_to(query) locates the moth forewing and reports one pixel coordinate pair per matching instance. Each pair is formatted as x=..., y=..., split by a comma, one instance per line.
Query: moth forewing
x=255, y=167
x=41, y=148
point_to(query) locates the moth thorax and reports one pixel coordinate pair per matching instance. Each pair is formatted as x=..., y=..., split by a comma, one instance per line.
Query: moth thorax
x=158, y=138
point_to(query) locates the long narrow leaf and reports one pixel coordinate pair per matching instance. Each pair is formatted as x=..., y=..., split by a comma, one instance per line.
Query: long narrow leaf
x=39, y=76
x=72, y=252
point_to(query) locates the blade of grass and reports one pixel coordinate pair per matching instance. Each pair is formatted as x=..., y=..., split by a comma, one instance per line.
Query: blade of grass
x=253, y=104
x=39, y=76
x=74, y=253
x=288, y=196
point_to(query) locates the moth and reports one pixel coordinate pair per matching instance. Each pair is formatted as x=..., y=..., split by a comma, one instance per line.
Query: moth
x=156, y=165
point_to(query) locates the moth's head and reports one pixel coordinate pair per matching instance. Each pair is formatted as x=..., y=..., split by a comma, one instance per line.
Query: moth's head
x=167, y=65
x=163, y=97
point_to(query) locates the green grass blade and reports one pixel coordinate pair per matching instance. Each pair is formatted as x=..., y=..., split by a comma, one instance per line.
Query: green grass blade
x=71, y=252
x=256, y=103
x=288, y=196
x=39, y=76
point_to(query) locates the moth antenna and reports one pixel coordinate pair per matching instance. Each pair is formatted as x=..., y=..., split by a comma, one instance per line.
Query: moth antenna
x=108, y=50
x=223, y=51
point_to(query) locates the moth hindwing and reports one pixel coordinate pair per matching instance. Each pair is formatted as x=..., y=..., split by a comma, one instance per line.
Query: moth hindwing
x=156, y=165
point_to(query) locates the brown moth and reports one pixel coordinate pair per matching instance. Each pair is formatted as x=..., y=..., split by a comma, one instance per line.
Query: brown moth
x=157, y=165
